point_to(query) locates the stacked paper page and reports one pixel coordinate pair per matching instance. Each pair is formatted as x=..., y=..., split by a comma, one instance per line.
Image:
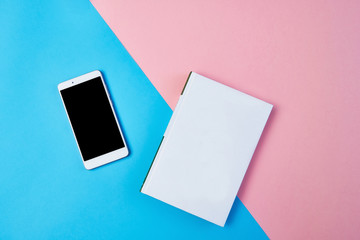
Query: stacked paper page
x=206, y=149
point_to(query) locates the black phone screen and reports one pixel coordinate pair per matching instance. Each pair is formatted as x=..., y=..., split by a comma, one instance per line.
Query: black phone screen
x=92, y=118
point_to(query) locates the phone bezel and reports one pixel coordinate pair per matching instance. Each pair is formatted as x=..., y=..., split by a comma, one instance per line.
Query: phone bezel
x=107, y=157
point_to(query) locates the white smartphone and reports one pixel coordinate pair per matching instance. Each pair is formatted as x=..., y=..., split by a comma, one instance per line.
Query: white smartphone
x=93, y=120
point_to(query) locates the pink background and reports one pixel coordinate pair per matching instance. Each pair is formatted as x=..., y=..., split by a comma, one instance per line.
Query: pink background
x=301, y=56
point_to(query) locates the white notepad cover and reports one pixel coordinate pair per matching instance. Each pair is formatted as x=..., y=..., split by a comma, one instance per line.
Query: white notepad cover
x=206, y=149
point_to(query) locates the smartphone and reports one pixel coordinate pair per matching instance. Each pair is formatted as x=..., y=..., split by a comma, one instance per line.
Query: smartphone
x=93, y=120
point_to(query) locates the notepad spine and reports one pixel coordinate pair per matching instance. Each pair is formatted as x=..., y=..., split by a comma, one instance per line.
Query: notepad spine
x=151, y=163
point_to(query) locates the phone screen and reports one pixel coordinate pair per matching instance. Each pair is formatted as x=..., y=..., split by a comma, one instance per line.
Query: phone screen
x=92, y=118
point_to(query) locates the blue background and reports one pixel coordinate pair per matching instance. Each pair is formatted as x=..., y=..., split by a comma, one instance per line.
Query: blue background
x=45, y=191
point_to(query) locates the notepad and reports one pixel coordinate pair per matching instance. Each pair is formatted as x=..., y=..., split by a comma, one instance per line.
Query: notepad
x=206, y=149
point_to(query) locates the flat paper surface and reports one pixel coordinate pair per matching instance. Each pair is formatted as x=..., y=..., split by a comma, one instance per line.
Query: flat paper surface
x=45, y=191
x=303, y=57
x=207, y=148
